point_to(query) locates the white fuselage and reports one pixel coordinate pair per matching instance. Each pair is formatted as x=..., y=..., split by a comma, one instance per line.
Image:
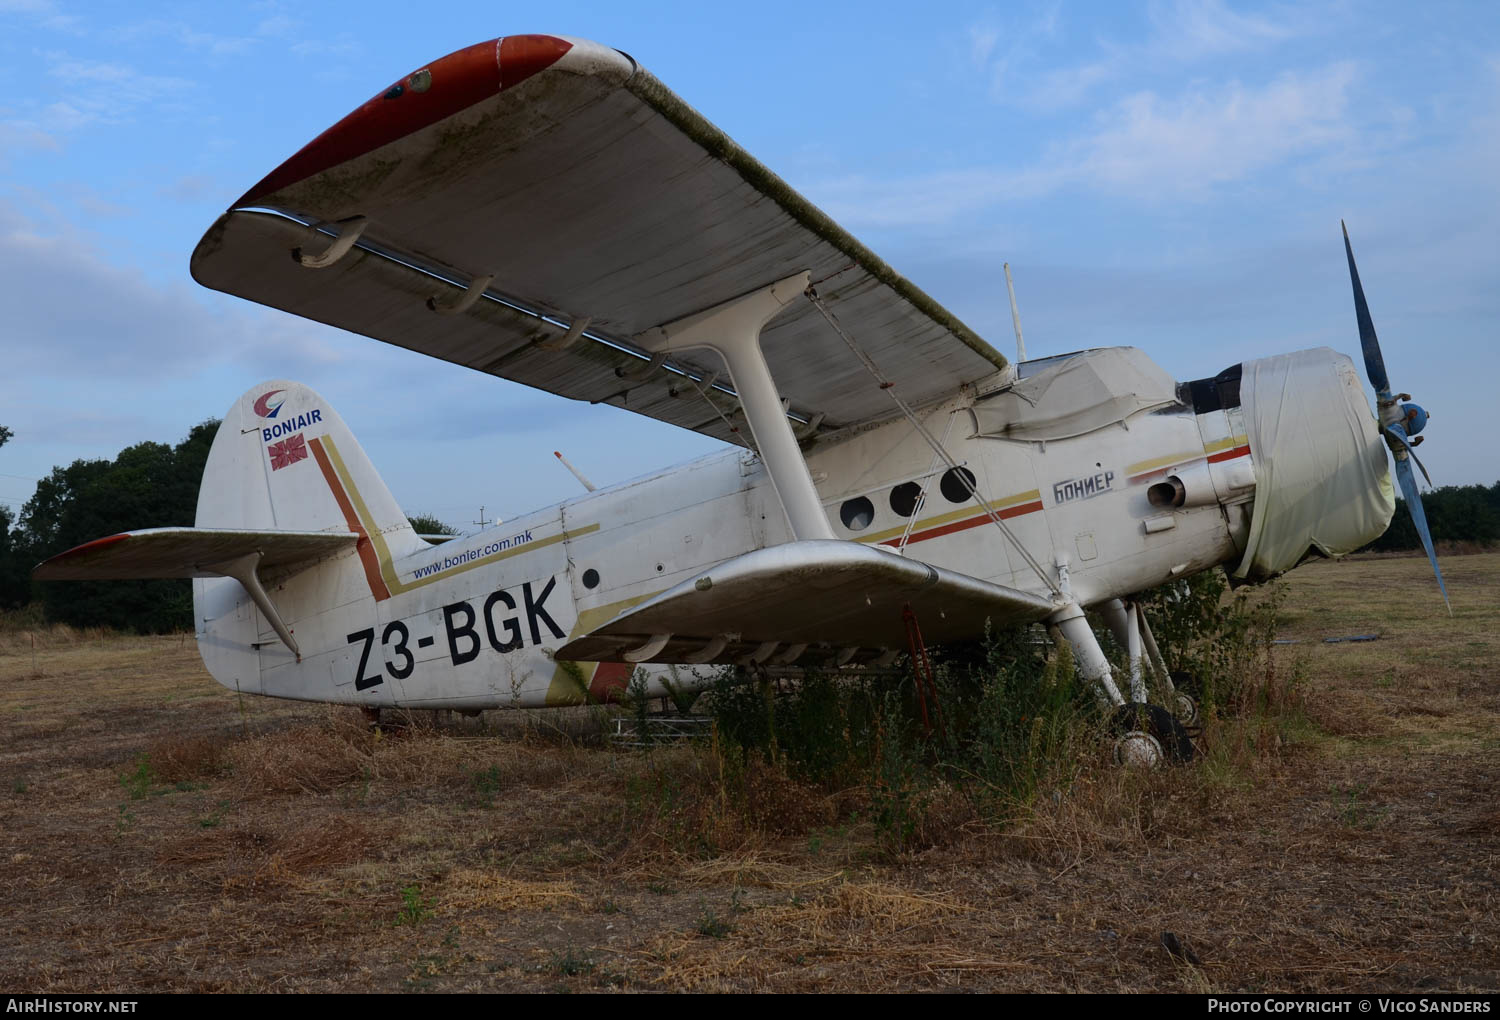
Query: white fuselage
x=475, y=621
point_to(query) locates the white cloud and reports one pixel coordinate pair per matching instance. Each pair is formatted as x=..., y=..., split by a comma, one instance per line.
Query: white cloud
x=932, y=199
x=21, y=135
x=1191, y=30
x=1068, y=86
x=1179, y=33
x=1146, y=147
x=1149, y=146
x=102, y=92
x=71, y=313
x=982, y=40
x=187, y=36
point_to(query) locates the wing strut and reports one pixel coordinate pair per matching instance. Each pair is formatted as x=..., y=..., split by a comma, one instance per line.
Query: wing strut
x=733, y=330
x=244, y=570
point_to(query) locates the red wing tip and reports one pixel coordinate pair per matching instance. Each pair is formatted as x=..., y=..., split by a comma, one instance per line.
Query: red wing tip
x=521, y=56
x=79, y=550
x=431, y=93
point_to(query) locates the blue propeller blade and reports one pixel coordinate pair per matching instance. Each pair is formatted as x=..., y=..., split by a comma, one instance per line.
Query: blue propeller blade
x=1419, y=517
x=1400, y=436
x=1368, y=343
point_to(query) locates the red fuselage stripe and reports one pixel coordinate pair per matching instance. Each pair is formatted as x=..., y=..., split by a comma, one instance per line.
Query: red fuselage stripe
x=972, y=522
x=1223, y=455
x=1216, y=458
x=363, y=547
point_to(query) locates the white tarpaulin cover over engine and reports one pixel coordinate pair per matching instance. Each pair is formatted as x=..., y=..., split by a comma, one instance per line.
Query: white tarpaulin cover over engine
x=1074, y=396
x=1322, y=476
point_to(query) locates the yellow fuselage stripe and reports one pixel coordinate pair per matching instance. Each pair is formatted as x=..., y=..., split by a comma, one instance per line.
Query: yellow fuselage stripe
x=1227, y=443
x=383, y=552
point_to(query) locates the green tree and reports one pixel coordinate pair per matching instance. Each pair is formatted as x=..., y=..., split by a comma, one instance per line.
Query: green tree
x=1455, y=513
x=149, y=485
x=15, y=586
x=427, y=524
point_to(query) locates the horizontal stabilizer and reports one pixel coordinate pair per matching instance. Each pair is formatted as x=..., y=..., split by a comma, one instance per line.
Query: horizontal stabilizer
x=189, y=552
x=815, y=593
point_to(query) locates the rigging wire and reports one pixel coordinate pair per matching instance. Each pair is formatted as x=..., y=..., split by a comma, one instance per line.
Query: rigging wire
x=890, y=387
x=922, y=495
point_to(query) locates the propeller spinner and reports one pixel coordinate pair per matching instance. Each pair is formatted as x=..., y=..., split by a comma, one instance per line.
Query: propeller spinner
x=1398, y=421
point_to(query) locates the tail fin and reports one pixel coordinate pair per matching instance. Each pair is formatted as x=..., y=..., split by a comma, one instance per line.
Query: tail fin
x=289, y=502
x=284, y=461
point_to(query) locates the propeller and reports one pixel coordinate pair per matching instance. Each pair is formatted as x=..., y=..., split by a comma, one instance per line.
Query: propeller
x=1399, y=422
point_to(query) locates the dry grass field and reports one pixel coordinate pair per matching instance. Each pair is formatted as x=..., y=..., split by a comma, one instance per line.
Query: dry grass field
x=161, y=834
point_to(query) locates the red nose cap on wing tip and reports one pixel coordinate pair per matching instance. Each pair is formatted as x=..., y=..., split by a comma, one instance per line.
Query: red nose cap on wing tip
x=430, y=94
x=521, y=56
x=87, y=547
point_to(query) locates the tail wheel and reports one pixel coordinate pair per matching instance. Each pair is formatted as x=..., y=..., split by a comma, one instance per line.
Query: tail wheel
x=1149, y=735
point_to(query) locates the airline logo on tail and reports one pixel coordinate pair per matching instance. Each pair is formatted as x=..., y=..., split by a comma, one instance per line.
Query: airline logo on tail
x=267, y=407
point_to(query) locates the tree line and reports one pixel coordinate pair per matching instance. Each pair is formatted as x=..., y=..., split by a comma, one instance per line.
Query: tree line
x=149, y=485
x=153, y=485
x=1455, y=513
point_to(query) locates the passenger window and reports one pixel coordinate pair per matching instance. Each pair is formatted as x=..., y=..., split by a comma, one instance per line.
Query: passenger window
x=905, y=498
x=958, y=485
x=857, y=513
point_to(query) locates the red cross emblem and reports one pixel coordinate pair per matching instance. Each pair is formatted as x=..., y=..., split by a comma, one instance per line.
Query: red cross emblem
x=288, y=451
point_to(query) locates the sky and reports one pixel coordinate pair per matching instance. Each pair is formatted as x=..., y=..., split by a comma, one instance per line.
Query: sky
x=1165, y=174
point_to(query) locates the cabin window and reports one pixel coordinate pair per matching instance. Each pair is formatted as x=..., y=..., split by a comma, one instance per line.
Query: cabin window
x=857, y=513
x=957, y=484
x=905, y=498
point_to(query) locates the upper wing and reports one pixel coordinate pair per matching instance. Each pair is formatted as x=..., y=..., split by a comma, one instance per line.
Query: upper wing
x=555, y=181
x=839, y=593
x=188, y=552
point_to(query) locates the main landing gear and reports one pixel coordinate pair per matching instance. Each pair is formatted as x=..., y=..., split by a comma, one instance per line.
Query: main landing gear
x=1146, y=734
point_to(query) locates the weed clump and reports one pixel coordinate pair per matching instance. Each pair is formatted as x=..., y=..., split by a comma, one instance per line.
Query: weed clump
x=1017, y=735
x=415, y=908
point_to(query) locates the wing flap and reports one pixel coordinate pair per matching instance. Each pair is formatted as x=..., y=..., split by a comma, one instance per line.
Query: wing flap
x=188, y=552
x=834, y=593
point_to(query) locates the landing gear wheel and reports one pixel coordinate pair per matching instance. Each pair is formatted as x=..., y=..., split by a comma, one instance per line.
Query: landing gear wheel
x=1149, y=736
x=1186, y=707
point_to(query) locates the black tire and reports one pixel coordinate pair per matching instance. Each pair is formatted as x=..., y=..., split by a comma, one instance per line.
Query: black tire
x=1187, y=681
x=1161, y=724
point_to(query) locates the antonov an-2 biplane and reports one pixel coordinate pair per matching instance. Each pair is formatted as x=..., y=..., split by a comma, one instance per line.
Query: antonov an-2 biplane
x=543, y=209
